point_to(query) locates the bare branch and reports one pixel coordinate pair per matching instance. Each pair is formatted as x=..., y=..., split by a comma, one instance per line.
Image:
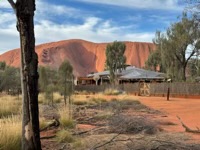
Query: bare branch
x=12, y=3
x=110, y=141
x=55, y=123
x=48, y=137
x=187, y=129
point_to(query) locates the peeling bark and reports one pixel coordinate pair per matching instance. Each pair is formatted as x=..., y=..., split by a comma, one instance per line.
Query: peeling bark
x=28, y=131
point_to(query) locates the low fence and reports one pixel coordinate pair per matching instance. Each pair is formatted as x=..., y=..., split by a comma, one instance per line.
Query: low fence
x=129, y=88
x=181, y=89
x=175, y=88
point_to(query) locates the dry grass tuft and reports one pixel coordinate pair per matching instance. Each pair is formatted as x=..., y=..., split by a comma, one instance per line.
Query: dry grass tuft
x=65, y=120
x=57, y=98
x=10, y=131
x=64, y=136
x=43, y=122
x=10, y=105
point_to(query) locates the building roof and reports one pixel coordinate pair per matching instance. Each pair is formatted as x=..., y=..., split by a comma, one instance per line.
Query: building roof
x=132, y=72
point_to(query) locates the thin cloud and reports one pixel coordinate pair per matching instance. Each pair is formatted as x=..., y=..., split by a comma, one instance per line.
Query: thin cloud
x=140, y=4
x=87, y=26
x=93, y=29
x=46, y=10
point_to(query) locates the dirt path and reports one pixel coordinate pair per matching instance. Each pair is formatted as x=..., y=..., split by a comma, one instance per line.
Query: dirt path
x=187, y=109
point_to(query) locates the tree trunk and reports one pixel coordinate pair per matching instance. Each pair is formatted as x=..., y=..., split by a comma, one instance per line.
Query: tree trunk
x=29, y=75
x=183, y=77
x=65, y=92
x=70, y=108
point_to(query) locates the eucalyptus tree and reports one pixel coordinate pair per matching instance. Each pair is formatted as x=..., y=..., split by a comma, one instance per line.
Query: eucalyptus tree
x=24, y=11
x=115, y=59
x=184, y=42
x=178, y=45
x=43, y=80
x=10, y=80
x=66, y=82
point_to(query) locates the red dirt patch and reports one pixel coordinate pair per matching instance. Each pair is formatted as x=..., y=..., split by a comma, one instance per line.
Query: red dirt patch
x=187, y=109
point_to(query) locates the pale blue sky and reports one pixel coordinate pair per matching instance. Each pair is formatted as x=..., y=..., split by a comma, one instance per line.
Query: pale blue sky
x=92, y=20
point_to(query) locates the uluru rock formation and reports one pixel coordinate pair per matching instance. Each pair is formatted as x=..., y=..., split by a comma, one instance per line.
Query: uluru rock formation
x=84, y=56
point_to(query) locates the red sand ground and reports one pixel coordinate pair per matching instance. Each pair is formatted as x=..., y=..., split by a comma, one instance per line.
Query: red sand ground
x=85, y=57
x=187, y=109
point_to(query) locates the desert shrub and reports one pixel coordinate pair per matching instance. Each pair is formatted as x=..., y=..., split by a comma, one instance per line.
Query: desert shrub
x=120, y=105
x=64, y=136
x=102, y=116
x=10, y=131
x=132, y=104
x=77, y=144
x=131, y=124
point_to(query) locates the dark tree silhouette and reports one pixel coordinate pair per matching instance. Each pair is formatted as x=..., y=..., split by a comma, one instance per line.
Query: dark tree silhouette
x=24, y=10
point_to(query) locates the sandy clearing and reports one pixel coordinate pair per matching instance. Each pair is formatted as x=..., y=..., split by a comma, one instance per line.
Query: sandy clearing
x=187, y=109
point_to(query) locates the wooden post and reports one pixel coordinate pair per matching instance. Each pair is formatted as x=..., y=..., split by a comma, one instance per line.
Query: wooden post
x=168, y=92
x=168, y=89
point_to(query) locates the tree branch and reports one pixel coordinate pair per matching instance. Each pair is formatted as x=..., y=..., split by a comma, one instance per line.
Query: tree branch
x=110, y=141
x=178, y=58
x=187, y=129
x=193, y=52
x=13, y=5
x=55, y=123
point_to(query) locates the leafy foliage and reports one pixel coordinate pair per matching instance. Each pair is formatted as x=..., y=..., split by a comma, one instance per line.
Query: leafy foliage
x=115, y=59
x=176, y=47
x=43, y=80
x=2, y=65
x=10, y=79
x=66, y=78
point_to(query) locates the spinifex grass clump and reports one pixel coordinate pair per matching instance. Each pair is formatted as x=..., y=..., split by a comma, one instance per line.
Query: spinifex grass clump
x=65, y=120
x=64, y=136
x=10, y=133
x=10, y=105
